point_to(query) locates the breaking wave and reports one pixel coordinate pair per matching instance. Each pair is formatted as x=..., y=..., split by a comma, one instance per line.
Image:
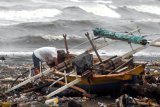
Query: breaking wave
x=37, y=15
x=147, y=8
x=101, y=10
x=103, y=1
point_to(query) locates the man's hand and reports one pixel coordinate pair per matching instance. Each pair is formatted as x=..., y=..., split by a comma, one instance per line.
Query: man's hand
x=55, y=61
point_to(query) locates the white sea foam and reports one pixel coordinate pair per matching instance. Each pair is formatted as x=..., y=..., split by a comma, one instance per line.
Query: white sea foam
x=100, y=52
x=53, y=37
x=147, y=8
x=39, y=1
x=75, y=51
x=148, y=20
x=29, y=15
x=111, y=52
x=8, y=23
x=112, y=7
x=103, y=1
x=101, y=10
x=79, y=51
x=74, y=0
x=153, y=54
x=60, y=37
x=15, y=54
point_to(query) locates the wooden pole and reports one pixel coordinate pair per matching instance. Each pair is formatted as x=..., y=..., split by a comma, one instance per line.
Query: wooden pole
x=60, y=67
x=87, y=35
x=73, y=87
x=61, y=89
x=121, y=65
x=65, y=42
x=139, y=49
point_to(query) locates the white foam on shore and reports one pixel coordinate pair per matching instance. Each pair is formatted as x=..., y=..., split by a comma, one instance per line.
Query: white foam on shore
x=148, y=54
x=100, y=52
x=80, y=51
x=148, y=20
x=16, y=54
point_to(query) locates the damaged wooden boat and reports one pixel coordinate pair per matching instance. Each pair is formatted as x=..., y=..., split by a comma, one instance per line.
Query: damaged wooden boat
x=104, y=77
x=104, y=83
x=91, y=75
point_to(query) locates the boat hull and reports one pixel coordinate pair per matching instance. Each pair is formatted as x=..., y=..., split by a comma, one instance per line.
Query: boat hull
x=106, y=83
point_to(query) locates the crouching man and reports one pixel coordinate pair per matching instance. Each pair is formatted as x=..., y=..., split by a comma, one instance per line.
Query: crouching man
x=50, y=55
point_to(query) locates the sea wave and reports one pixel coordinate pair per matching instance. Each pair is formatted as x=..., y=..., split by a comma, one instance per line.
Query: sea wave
x=38, y=15
x=147, y=8
x=15, y=54
x=58, y=27
x=30, y=42
x=153, y=54
x=103, y=1
x=60, y=37
x=57, y=23
x=75, y=0
x=100, y=10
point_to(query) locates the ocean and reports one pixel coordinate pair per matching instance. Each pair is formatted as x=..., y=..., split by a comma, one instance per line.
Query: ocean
x=29, y=24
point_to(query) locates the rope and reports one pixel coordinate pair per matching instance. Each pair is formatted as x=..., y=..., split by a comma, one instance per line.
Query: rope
x=74, y=47
x=79, y=44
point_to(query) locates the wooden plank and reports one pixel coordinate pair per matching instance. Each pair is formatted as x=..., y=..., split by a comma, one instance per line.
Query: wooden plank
x=139, y=49
x=30, y=80
x=61, y=89
x=73, y=87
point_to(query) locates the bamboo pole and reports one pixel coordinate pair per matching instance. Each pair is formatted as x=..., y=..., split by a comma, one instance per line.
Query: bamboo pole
x=61, y=89
x=65, y=42
x=121, y=65
x=60, y=67
x=138, y=49
x=73, y=87
x=30, y=80
x=87, y=35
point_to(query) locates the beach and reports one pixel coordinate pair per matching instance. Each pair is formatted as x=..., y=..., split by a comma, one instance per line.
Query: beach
x=30, y=24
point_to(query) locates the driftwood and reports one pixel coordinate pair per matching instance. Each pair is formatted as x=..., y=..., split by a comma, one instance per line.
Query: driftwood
x=93, y=46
